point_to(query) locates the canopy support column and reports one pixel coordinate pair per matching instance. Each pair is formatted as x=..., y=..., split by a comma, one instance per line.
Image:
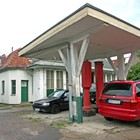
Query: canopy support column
x=133, y=54
x=121, y=67
x=122, y=70
x=112, y=65
x=73, y=63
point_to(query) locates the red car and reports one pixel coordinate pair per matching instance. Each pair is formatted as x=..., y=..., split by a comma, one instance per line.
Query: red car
x=121, y=100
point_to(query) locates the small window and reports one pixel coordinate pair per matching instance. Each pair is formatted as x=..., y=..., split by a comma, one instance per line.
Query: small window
x=3, y=87
x=13, y=82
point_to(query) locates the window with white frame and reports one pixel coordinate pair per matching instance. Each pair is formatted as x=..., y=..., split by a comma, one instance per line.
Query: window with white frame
x=59, y=79
x=13, y=87
x=67, y=80
x=50, y=79
x=3, y=87
x=108, y=78
x=113, y=77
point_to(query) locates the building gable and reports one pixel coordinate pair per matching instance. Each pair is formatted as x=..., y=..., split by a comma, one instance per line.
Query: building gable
x=13, y=60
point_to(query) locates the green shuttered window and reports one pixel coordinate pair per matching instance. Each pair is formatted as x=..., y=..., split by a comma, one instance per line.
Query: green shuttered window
x=13, y=83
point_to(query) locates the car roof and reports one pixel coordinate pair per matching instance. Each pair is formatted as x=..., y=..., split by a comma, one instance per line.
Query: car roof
x=63, y=90
x=125, y=81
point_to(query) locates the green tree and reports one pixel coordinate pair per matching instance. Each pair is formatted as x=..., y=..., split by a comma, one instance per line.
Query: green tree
x=138, y=54
x=134, y=72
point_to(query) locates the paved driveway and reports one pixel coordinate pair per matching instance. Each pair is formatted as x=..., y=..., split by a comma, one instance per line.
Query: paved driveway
x=25, y=124
x=93, y=128
x=13, y=126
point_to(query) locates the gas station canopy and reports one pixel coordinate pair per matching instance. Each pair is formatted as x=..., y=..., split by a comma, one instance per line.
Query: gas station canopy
x=108, y=36
x=86, y=34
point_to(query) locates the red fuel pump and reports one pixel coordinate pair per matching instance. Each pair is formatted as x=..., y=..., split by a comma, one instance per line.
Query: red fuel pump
x=86, y=84
x=99, y=80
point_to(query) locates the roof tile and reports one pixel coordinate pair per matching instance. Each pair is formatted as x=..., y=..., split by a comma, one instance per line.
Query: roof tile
x=13, y=60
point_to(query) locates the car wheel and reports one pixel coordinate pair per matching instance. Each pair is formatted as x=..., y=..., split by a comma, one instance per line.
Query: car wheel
x=55, y=109
x=108, y=119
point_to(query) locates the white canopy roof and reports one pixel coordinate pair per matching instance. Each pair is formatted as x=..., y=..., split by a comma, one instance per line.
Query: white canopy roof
x=108, y=36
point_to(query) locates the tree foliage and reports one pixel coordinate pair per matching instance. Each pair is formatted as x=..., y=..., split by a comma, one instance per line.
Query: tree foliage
x=134, y=72
x=138, y=54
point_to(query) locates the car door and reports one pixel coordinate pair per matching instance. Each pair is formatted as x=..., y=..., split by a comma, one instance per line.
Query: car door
x=65, y=101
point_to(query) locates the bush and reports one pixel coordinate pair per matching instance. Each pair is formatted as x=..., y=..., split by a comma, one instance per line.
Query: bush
x=134, y=72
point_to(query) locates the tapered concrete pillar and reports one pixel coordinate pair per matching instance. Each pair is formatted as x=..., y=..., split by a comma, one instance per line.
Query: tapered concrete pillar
x=121, y=67
x=73, y=62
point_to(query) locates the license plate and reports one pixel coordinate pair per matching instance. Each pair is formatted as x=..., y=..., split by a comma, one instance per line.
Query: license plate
x=37, y=109
x=111, y=101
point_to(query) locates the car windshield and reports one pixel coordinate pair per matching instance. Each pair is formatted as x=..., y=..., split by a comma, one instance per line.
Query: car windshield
x=93, y=88
x=118, y=89
x=56, y=94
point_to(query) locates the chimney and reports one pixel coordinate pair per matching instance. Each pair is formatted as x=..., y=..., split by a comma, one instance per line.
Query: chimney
x=3, y=59
x=12, y=49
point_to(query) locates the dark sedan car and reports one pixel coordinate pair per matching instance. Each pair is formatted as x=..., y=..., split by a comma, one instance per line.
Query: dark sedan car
x=54, y=103
x=93, y=92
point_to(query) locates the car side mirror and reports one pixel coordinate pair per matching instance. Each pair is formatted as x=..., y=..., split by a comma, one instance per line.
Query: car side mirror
x=63, y=97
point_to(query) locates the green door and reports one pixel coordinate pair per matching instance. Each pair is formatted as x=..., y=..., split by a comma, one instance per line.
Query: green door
x=24, y=91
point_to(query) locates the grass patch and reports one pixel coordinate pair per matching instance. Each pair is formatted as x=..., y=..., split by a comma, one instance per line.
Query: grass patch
x=112, y=130
x=29, y=117
x=23, y=105
x=16, y=105
x=4, y=105
x=24, y=113
x=34, y=119
x=59, y=124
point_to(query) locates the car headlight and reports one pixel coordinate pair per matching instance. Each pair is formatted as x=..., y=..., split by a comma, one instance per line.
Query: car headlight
x=46, y=104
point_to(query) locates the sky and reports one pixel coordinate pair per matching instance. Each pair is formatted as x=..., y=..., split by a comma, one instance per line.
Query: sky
x=21, y=21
